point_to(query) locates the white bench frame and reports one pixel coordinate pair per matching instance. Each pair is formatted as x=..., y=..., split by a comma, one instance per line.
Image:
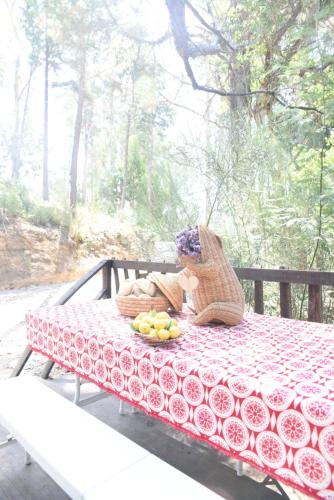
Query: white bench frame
x=103, y=394
x=88, y=459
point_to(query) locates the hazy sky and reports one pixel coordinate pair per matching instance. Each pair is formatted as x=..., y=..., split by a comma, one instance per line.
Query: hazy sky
x=14, y=47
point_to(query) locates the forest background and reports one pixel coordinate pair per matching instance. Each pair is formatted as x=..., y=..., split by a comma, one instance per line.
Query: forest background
x=163, y=113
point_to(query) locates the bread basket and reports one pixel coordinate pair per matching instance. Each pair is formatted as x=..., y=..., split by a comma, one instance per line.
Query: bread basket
x=131, y=305
x=169, y=286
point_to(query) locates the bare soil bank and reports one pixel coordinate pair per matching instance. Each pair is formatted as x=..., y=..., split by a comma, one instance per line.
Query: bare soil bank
x=31, y=255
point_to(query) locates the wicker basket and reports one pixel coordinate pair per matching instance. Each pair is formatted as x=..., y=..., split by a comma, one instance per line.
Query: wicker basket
x=169, y=286
x=219, y=295
x=132, y=305
x=155, y=340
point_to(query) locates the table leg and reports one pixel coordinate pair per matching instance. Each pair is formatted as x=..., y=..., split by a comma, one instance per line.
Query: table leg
x=76, y=398
x=47, y=369
x=27, y=460
x=123, y=405
x=269, y=481
x=240, y=468
x=22, y=362
x=10, y=440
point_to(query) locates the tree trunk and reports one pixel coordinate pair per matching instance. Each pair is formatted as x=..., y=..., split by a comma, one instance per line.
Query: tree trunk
x=112, y=148
x=15, y=146
x=239, y=78
x=239, y=81
x=46, y=127
x=76, y=139
x=207, y=179
x=126, y=159
x=130, y=117
x=149, y=188
x=85, y=165
x=21, y=124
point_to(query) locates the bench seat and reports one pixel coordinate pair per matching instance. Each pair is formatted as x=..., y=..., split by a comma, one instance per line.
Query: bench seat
x=88, y=459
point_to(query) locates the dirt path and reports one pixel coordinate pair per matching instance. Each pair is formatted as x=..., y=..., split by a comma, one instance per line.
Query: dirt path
x=13, y=306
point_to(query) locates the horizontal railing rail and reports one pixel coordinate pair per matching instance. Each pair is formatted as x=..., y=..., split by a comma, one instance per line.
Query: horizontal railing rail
x=286, y=276
x=244, y=273
x=104, y=266
x=314, y=280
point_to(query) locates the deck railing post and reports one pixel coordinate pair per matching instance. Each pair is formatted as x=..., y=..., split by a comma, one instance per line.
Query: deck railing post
x=137, y=274
x=126, y=273
x=106, y=279
x=22, y=362
x=258, y=291
x=116, y=276
x=314, y=303
x=285, y=299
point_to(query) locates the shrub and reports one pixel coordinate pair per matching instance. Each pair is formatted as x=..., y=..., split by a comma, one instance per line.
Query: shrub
x=13, y=199
x=41, y=215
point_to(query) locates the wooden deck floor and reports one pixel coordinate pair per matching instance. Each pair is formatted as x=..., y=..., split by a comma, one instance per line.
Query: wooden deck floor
x=209, y=467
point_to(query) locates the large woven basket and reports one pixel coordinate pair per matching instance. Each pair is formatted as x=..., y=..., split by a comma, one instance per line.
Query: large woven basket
x=219, y=295
x=132, y=305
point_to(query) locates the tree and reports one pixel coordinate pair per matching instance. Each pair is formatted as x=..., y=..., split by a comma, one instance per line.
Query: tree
x=238, y=56
x=21, y=100
x=67, y=34
x=88, y=26
x=42, y=27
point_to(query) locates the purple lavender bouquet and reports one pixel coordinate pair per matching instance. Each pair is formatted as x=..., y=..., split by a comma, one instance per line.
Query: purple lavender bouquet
x=188, y=244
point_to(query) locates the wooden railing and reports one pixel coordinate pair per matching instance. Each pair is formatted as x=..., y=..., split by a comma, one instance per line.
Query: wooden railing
x=313, y=280
x=114, y=271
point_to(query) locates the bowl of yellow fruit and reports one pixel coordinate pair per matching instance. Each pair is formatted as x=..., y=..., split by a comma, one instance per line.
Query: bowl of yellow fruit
x=156, y=328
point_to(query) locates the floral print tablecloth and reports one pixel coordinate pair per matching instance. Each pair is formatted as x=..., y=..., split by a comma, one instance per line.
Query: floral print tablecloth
x=261, y=391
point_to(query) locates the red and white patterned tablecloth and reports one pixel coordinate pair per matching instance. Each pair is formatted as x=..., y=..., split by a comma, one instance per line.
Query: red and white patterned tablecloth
x=261, y=391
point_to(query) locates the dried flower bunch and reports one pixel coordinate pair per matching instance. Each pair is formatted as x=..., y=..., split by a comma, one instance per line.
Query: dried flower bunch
x=188, y=244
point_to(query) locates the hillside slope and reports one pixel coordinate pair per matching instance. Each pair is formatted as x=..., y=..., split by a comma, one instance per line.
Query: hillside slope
x=32, y=254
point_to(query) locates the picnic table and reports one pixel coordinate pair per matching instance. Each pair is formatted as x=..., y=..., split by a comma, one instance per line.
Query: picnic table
x=261, y=392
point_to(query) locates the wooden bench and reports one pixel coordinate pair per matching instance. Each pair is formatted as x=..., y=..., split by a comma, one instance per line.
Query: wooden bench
x=88, y=459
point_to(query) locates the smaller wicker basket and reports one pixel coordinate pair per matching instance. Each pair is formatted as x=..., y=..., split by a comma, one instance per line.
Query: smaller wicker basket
x=155, y=340
x=132, y=305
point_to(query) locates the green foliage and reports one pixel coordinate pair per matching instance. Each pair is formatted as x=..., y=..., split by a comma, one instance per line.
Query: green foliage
x=14, y=200
x=261, y=172
x=47, y=216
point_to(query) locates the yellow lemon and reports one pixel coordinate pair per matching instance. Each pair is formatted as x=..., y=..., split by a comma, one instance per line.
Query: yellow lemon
x=136, y=324
x=153, y=332
x=140, y=316
x=162, y=315
x=144, y=327
x=174, y=322
x=163, y=334
x=159, y=324
x=174, y=332
x=148, y=319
